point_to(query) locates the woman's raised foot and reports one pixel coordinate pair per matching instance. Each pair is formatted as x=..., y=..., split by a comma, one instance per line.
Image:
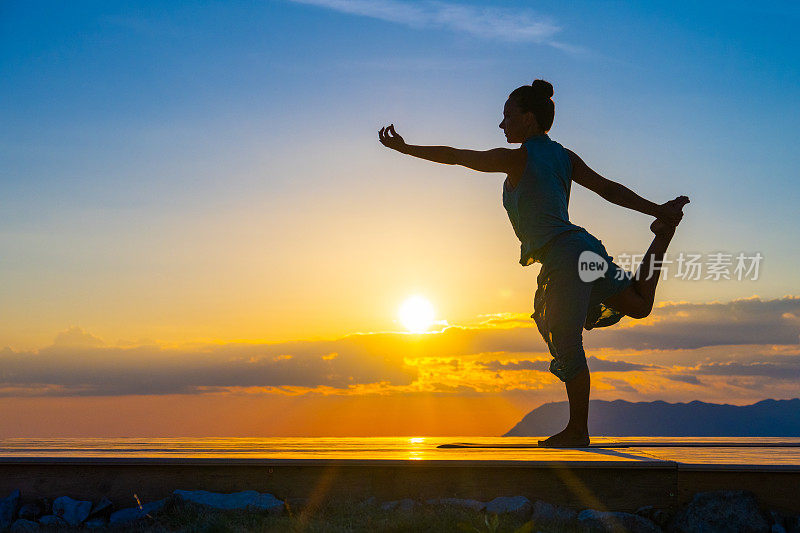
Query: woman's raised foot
x=663, y=227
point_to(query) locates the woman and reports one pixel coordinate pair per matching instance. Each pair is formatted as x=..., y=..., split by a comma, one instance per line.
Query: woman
x=535, y=195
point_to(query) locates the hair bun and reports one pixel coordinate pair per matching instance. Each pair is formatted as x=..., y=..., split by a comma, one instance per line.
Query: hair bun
x=542, y=89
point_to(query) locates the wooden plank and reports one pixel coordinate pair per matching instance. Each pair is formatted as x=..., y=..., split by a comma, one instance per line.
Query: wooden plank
x=467, y=445
x=599, y=488
x=615, y=486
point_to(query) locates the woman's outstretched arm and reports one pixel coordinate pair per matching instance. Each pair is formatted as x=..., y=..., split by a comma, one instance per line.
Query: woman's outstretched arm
x=495, y=160
x=618, y=194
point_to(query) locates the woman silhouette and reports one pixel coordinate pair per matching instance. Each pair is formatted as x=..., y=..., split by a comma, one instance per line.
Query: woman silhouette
x=535, y=195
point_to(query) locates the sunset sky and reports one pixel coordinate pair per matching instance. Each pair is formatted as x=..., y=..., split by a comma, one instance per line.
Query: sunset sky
x=202, y=235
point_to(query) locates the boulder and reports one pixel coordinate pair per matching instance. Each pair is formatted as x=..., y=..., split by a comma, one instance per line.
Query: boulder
x=74, y=512
x=372, y=501
x=102, y=508
x=593, y=521
x=31, y=511
x=475, y=505
x=96, y=522
x=46, y=506
x=519, y=506
x=405, y=505
x=22, y=525
x=778, y=522
x=722, y=511
x=551, y=517
x=8, y=509
x=248, y=499
x=53, y=520
x=659, y=517
x=131, y=514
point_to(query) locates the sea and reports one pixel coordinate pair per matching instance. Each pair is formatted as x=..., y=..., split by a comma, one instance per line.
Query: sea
x=701, y=450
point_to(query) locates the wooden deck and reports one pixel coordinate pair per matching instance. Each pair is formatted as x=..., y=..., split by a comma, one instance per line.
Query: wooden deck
x=614, y=474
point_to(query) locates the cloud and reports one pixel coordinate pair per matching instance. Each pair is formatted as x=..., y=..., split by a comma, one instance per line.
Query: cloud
x=596, y=364
x=785, y=367
x=671, y=326
x=602, y=365
x=77, y=365
x=504, y=24
x=684, y=378
x=497, y=366
x=693, y=325
x=75, y=337
x=664, y=355
x=619, y=385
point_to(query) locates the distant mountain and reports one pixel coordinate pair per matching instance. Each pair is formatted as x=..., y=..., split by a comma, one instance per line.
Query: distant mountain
x=767, y=418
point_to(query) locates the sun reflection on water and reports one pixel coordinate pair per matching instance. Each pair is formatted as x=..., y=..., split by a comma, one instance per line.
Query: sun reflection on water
x=417, y=451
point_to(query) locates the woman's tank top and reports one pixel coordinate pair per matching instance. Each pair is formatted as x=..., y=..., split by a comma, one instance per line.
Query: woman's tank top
x=537, y=206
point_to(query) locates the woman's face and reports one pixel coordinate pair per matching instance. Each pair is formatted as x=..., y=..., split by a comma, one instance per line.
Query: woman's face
x=518, y=125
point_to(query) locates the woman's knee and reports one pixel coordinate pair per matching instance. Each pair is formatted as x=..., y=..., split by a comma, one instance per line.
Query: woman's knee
x=569, y=358
x=630, y=302
x=566, y=366
x=641, y=310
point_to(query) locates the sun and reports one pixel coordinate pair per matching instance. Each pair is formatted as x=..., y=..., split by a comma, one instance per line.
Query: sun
x=416, y=314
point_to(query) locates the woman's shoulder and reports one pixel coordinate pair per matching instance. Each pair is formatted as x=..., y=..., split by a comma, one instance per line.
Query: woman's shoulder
x=543, y=142
x=561, y=157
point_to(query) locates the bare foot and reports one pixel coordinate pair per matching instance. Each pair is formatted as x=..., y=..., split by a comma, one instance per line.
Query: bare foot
x=566, y=439
x=662, y=227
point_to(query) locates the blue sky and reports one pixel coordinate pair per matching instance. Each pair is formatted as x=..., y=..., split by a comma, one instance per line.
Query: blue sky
x=216, y=153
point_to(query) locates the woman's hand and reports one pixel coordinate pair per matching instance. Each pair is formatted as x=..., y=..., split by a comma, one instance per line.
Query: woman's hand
x=391, y=139
x=672, y=212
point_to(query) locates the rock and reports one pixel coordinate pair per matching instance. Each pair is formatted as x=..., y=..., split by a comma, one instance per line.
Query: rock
x=21, y=525
x=405, y=505
x=659, y=517
x=475, y=505
x=593, y=521
x=372, y=501
x=552, y=517
x=101, y=508
x=516, y=505
x=131, y=514
x=248, y=499
x=721, y=511
x=31, y=511
x=778, y=522
x=96, y=522
x=72, y=511
x=8, y=509
x=53, y=520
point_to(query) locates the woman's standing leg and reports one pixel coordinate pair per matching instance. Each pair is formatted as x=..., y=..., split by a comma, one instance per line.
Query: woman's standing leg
x=578, y=394
x=569, y=365
x=560, y=318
